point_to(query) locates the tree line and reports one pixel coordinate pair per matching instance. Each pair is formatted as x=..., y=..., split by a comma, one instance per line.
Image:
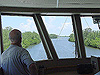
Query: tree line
x=91, y=38
x=53, y=36
x=28, y=38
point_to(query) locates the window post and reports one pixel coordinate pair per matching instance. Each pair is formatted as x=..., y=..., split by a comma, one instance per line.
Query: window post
x=49, y=48
x=1, y=39
x=78, y=35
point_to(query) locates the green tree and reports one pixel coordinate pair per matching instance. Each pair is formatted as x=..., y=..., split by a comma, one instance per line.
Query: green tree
x=28, y=38
x=6, y=42
x=53, y=36
x=72, y=38
x=91, y=38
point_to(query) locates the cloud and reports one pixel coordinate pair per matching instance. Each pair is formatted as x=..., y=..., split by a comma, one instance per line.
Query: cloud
x=94, y=27
x=52, y=18
x=29, y=26
x=49, y=22
x=54, y=25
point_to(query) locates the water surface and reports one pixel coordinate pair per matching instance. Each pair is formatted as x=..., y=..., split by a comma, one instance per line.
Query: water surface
x=63, y=47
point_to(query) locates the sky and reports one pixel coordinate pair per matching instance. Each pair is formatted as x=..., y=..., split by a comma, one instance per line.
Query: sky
x=60, y=25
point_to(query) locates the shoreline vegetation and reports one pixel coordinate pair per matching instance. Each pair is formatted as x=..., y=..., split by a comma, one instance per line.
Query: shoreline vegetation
x=53, y=36
x=91, y=38
x=28, y=38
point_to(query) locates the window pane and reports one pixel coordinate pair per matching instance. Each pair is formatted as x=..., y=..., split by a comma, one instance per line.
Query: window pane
x=30, y=37
x=91, y=36
x=59, y=29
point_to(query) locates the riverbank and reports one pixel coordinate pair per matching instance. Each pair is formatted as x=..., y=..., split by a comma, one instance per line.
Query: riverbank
x=91, y=38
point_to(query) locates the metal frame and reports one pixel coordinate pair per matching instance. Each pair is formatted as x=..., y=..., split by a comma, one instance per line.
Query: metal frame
x=1, y=40
x=49, y=48
x=49, y=56
x=75, y=35
x=79, y=37
x=50, y=10
x=1, y=45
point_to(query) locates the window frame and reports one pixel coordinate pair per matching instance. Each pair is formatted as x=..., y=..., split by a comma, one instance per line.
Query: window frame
x=38, y=12
x=49, y=48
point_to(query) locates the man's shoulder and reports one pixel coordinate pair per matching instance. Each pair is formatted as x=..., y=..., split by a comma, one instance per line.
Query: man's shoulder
x=21, y=49
x=14, y=48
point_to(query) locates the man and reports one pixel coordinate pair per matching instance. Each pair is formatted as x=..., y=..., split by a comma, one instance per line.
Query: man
x=16, y=60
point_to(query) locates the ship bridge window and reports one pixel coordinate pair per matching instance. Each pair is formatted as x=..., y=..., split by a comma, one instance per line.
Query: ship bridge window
x=91, y=35
x=60, y=31
x=30, y=37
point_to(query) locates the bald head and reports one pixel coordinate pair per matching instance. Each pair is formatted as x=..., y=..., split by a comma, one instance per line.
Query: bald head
x=15, y=36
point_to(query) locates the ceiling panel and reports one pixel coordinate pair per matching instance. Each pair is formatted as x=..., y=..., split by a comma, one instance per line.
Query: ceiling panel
x=79, y=3
x=52, y=3
x=29, y=3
